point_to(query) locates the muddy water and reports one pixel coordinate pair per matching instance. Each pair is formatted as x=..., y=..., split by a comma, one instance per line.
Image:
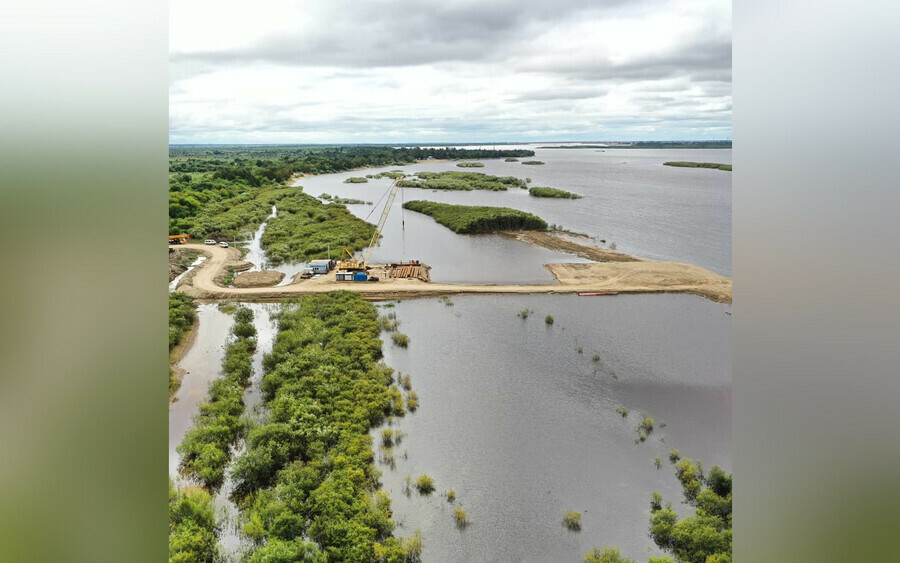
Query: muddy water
x=174, y=283
x=203, y=363
x=630, y=198
x=523, y=427
x=257, y=256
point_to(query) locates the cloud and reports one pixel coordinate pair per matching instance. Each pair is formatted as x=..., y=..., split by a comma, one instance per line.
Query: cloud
x=365, y=71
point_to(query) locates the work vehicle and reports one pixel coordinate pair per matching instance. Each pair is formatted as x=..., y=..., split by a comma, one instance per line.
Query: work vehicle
x=223, y=244
x=179, y=239
x=209, y=241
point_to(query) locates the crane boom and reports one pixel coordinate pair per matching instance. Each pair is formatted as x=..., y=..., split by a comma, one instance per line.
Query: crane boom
x=381, y=222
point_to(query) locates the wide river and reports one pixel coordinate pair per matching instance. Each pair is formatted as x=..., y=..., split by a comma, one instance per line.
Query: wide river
x=512, y=417
x=630, y=199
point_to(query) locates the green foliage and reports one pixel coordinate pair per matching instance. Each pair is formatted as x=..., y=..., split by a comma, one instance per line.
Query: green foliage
x=655, y=501
x=206, y=448
x=356, y=180
x=462, y=517
x=548, y=319
x=524, y=313
x=623, y=411
x=181, y=316
x=451, y=495
x=572, y=520
x=532, y=162
x=192, y=526
x=412, y=401
x=595, y=358
x=674, y=456
x=706, y=535
x=309, y=470
x=646, y=425
x=425, y=484
x=657, y=462
x=684, y=164
x=606, y=555
x=456, y=180
x=288, y=551
x=387, y=437
x=552, y=192
x=510, y=159
x=305, y=229
x=400, y=339
x=472, y=219
x=405, y=382
x=471, y=165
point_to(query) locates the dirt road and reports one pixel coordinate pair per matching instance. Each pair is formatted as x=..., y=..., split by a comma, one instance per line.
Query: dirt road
x=623, y=277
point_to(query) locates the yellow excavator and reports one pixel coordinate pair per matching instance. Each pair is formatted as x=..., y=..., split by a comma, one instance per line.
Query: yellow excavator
x=353, y=264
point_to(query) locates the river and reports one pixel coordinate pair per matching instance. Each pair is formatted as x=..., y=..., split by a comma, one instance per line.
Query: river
x=522, y=427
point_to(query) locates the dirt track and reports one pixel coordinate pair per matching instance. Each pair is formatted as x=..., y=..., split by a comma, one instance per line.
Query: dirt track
x=623, y=277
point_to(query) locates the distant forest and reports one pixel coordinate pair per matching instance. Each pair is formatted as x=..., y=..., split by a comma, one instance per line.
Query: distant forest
x=281, y=162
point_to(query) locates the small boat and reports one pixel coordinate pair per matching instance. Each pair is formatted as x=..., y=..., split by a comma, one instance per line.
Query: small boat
x=598, y=293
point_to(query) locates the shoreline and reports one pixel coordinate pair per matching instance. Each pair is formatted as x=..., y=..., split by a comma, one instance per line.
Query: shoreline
x=178, y=353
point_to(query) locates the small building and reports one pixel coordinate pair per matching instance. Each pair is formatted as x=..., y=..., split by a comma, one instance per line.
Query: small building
x=344, y=276
x=321, y=266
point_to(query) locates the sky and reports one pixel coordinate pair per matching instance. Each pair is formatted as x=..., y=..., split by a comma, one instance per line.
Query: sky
x=391, y=71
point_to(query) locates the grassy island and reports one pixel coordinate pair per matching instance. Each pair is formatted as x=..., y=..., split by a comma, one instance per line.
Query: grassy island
x=683, y=164
x=471, y=165
x=356, y=180
x=532, y=162
x=470, y=219
x=552, y=192
x=454, y=180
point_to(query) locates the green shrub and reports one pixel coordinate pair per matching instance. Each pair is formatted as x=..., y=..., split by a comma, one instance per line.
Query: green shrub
x=356, y=180
x=471, y=219
x=714, y=165
x=623, y=411
x=524, y=313
x=425, y=484
x=655, y=502
x=607, y=555
x=646, y=425
x=471, y=165
x=572, y=520
x=400, y=339
x=674, y=456
x=548, y=319
x=387, y=437
x=181, y=316
x=462, y=517
x=552, y=193
x=510, y=159
x=192, y=525
x=456, y=180
x=595, y=358
x=412, y=401
x=451, y=495
x=532, y=162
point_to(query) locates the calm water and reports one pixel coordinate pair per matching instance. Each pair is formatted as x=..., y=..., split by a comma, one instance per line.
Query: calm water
x=630, y=198
x=523, y=427
x=203, y=362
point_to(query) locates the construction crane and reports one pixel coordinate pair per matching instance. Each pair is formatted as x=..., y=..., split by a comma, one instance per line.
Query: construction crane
x=353, y=263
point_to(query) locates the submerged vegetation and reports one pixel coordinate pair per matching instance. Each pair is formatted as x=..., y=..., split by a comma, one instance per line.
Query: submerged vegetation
x=308, y=470
x=552, y=192
x=607, y=554
x=192, y=525
x=400, y=339
x=425, y=484
x=181, y=316
x=472, y=219
x=532, y=162
x=714, y=165
x=462, y=517
x=572, y=520
x=356, y=180
x=511, y=159
x=705, y=536
x=206, y=448
x=471, y=165
x=466, y=181
x=305, y=228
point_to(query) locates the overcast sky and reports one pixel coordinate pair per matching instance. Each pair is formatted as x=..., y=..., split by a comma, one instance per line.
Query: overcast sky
x=384, y=71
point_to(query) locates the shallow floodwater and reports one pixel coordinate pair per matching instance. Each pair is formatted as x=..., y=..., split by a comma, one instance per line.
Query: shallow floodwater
x=630, y=199
x=203, y=362
x=523, y=427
